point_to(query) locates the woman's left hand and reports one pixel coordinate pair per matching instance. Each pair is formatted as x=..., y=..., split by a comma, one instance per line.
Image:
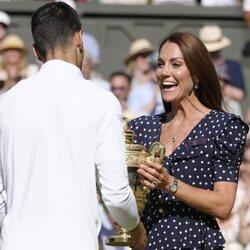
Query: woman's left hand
x=154, y=175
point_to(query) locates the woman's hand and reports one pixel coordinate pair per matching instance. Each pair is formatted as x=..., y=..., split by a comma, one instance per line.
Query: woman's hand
x=154, y=176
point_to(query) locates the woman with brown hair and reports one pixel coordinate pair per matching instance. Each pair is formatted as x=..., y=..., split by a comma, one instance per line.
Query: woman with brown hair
x=204, y=145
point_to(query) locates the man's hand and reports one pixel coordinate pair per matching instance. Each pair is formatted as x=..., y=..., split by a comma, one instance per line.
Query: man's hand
x=139, y=237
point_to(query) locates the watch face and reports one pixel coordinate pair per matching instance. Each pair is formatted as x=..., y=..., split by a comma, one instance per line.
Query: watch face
x=173, y=188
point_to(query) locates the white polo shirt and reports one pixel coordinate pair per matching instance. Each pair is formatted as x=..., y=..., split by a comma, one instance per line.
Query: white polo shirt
x=56, y=130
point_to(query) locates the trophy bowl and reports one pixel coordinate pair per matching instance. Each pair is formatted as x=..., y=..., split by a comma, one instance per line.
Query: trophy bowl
x=135, y=155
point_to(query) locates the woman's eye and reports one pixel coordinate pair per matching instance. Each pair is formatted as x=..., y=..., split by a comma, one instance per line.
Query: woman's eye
x=159, y=64
x=176, y=65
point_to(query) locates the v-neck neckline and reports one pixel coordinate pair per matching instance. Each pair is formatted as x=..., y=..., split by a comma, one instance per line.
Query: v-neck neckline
x=188, y=135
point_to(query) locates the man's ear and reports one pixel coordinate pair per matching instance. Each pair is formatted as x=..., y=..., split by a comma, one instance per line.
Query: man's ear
x=79, y=42
x=36, y=53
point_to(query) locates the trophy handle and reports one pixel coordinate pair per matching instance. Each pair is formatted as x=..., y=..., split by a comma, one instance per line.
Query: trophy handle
x=157, y=149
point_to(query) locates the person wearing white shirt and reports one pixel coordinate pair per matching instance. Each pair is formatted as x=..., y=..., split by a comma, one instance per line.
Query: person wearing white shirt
x=58, y=132
x=221, y=3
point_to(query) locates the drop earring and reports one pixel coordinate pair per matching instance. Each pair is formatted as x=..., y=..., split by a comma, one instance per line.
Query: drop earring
x=196, y=86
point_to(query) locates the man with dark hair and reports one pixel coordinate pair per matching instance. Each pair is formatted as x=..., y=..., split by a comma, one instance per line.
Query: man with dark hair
x=58, y=132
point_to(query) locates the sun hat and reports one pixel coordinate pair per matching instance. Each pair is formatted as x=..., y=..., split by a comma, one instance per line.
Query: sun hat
x=138, y=47
x=12, y=42
x=213, y=38
x=4, y=18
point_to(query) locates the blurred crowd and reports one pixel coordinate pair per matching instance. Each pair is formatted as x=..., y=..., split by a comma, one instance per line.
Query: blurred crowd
x=136, y=88
x=158, y=2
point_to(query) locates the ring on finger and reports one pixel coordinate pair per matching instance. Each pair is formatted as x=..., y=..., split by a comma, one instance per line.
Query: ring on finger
x=154, y=182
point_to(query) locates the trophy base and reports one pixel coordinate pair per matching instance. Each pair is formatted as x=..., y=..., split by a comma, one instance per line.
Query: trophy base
x=122, y=238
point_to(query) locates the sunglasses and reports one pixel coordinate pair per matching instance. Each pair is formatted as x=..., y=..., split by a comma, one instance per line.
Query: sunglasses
x=113, y=88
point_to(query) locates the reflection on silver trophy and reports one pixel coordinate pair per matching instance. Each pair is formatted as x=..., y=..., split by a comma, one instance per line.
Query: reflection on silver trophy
x=135, y=155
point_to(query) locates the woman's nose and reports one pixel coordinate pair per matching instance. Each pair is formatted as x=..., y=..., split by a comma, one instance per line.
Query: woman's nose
x=165, y=70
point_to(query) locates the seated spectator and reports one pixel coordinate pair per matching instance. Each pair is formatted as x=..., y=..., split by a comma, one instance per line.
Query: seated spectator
x=183, y=2
x=14, y=66
x=229, y=71
x=144, y=93
x=221, y=3
x=91, y=61
x=4, y=24
x=120, y=85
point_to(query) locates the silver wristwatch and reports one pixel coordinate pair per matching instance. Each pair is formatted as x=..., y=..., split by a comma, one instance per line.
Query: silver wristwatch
x=173, y=187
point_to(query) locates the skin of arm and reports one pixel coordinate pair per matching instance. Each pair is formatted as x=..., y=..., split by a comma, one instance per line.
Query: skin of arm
x=232, y=92
x=217, y=202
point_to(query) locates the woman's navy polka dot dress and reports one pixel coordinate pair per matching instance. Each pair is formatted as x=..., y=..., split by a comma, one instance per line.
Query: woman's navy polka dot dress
x=211, y=152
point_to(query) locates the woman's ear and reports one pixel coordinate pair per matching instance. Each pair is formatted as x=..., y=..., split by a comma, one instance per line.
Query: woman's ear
x=196, y=80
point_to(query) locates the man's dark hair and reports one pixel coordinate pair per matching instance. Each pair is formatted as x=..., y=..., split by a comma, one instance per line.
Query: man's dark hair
x=52, y=25
x=120, y=73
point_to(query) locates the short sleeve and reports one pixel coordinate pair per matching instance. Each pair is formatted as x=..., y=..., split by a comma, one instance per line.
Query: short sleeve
x=229, y=150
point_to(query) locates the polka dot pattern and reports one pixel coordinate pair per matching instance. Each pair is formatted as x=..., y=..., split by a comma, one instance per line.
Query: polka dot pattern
x=211, y=152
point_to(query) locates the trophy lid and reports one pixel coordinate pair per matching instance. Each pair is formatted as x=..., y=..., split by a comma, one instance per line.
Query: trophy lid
x=129, y=135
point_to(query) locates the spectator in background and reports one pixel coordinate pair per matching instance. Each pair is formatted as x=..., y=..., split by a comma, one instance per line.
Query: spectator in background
x=4, y=24
x=120, y=86
x=182, y=2
x=14, y=66
x=228, y=71
x=91, y=61
x=221, y=3
x=144, y=93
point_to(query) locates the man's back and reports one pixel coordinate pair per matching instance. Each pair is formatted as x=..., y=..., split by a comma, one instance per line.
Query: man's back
x=55, y=127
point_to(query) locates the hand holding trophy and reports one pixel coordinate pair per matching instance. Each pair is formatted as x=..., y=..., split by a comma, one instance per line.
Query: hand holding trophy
x=135, y=155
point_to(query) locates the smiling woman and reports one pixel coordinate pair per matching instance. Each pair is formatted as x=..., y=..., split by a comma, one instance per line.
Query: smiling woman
x=204, y=145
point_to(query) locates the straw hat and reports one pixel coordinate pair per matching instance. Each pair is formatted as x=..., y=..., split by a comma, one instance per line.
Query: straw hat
x=4, y=18
x=12, y=42
x=139, y=46
x=213, y=38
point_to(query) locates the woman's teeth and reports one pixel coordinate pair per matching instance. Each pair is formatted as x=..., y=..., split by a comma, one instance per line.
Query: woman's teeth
x=168, y=86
